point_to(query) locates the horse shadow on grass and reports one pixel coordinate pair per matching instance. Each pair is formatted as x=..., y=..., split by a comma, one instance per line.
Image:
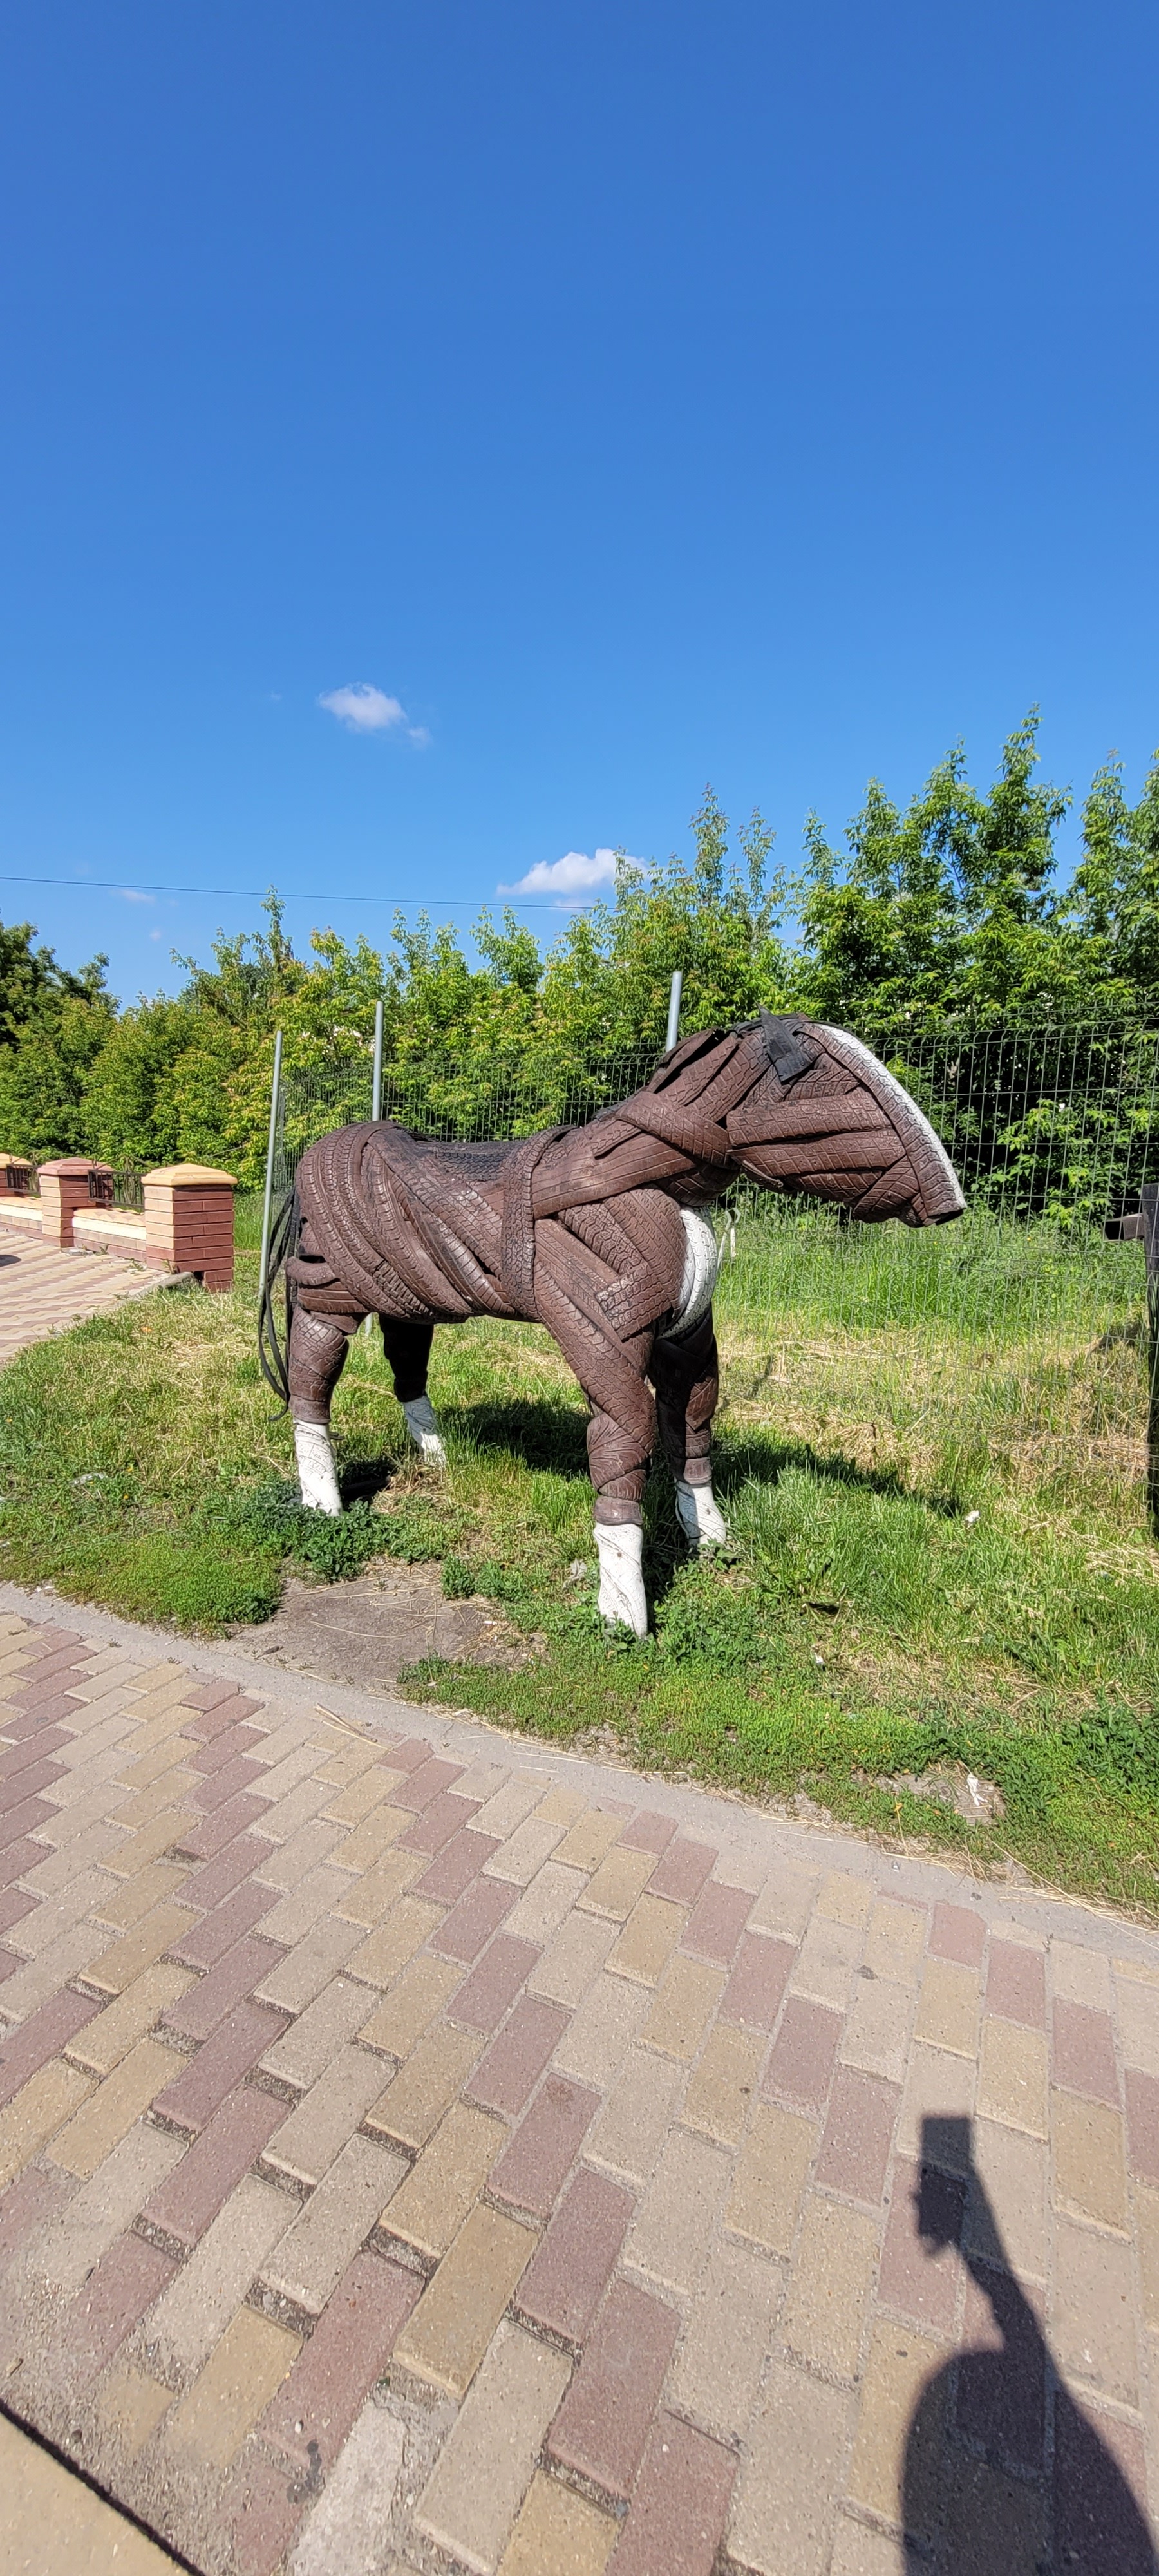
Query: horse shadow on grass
x=1005, y=2474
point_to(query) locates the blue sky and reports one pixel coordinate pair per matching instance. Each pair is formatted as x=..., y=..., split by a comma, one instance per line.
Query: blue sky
x=629, y=395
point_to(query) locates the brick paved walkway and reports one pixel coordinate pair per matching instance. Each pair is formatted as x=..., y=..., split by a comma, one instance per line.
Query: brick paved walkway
x=437, y=2154
x=43, y=1291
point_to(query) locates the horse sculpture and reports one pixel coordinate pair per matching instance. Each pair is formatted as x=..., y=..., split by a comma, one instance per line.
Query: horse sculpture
x=596, y=1232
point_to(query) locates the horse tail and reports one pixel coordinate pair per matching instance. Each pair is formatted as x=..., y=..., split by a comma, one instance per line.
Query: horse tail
x=273, y=1356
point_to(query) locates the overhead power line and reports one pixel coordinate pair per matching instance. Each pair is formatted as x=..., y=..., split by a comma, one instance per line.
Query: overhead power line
x=257, y=894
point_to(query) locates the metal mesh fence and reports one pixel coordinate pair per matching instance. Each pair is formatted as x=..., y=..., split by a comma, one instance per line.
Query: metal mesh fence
x=1023, y=1327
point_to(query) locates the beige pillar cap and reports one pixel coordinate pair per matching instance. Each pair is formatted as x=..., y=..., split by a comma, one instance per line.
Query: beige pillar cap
x=189, y=1176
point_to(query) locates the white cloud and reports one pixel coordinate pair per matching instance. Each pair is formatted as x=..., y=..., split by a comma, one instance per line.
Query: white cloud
x=574, y=874
x=364, y=709
x=133, y=894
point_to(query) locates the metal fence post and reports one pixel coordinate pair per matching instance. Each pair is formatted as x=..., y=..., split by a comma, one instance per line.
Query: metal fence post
x=267, y=1202
x=675, y=992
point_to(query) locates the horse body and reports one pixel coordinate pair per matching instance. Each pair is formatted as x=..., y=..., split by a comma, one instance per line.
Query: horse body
x=596, y=1232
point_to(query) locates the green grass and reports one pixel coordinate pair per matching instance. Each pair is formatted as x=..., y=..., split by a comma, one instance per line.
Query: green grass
x=939, y=1560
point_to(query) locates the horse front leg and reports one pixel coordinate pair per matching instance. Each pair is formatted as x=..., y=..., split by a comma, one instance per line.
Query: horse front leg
x=685, y=1374
x=318, y=1347
x=619, y=1449
x=408, y=1349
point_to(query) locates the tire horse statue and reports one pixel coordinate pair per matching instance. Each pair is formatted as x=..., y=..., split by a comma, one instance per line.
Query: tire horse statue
x=595, y=1232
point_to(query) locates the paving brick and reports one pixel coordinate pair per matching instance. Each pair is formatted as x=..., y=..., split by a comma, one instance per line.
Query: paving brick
x=545, y=1903
x=410, y=2006
x=473, y=1920
x=111, y=2109
x=42, y=2105
x=444, y=2341
x=1137, y=2009
x=717, y=1920
x=196, y=2308
x=368, y=1898
x=957, y=1933
x=203, y=1837
x=1084, y=2052
x=524, y=1853
x=683, y=2007
x=296, y=1913
x=755, y=1989
x=895, y=1941
x=825, y=1962
x=648, y=1830
x=430, y=2206
x=301, y=2054
x=131, y=2405
x=215, y=1752
x=70, y=2244
x=531, y=2171
x=782, y=2514
x=949, y=2006
x=218, y=1878
x=412, y=2105
x=1093, y=2312
x=234, y=1976
x=1016, y=1984
x=261, y=2509
x=121, y=2290
x=682, y=1870
x=493, y=1985
x=52, y=2028
x=770, y=2178
x=215, y=1787
x=590, y=1840
x=30, y=2203
x=318, y=2128
x=183, y=2205
x=1081, y=1976
x=1142, y=2098
x=1100, y=2490
x=1012, y=2076
x=203, y=2083
x=678, y=2511
x=352, y=2197
x=830, y=2285
x=1147, y=2238
x=426, y=1782
x=470, y=2502
x=18, y=1858
x=618, y=1883
x=110, y=2035
x=801, y=2065
x=26, y=1784
x=379, y=1958
x=439, y=1824
x=863, y=2549
x=876, y=2037
x=38, y=1979
x=305, y=1970
x=939, y=2086
x=632, y=2127
x=1000, y=2394
x=206, y=1939
x=311, y=1847
x=857, y=2137
x=895, y=2463
x=923, y=2282
x=602, y=2425
x=723, y=2084
x=560, y=2531
x=1006, y=2220
x=514, y=2062
x=1089, y=2168
x=167, y=1831
x=499, y=1815
x=731, y=2325
x=58, y=1916
x=602, y=2031
x=574, y=1960
x=456, y=1866
x=356, y=1799
x=647, y=1940
x=211, y=2422
x=679, y=2212
x=562, y=1806
x=566, y=2278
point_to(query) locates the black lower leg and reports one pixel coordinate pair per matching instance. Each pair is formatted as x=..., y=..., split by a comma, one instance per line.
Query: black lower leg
x=408, y=1350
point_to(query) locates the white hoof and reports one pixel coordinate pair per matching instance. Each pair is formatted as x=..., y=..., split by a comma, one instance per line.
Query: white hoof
x=316, y=1475
x=623, y=1601
x=700, y=1516
x=422, y=1422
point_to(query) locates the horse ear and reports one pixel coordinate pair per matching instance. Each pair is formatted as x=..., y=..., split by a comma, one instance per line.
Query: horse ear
x=784, y=1046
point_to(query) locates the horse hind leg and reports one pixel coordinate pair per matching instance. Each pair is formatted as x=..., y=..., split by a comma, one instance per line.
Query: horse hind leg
x=685, y=1374
x=318, y=1347
x=408, y=1349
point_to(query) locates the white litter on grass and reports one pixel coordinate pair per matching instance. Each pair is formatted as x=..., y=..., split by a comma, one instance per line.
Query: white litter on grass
x=971, y=1517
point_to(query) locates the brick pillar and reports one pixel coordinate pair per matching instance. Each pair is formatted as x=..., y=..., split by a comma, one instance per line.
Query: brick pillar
x=189, y=1222
x=64, y=1193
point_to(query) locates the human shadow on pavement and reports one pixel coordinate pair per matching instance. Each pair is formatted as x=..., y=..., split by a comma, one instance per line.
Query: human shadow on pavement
x=1005, y=2474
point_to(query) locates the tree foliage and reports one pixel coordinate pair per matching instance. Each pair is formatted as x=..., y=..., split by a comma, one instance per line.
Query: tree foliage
x=947, y=909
